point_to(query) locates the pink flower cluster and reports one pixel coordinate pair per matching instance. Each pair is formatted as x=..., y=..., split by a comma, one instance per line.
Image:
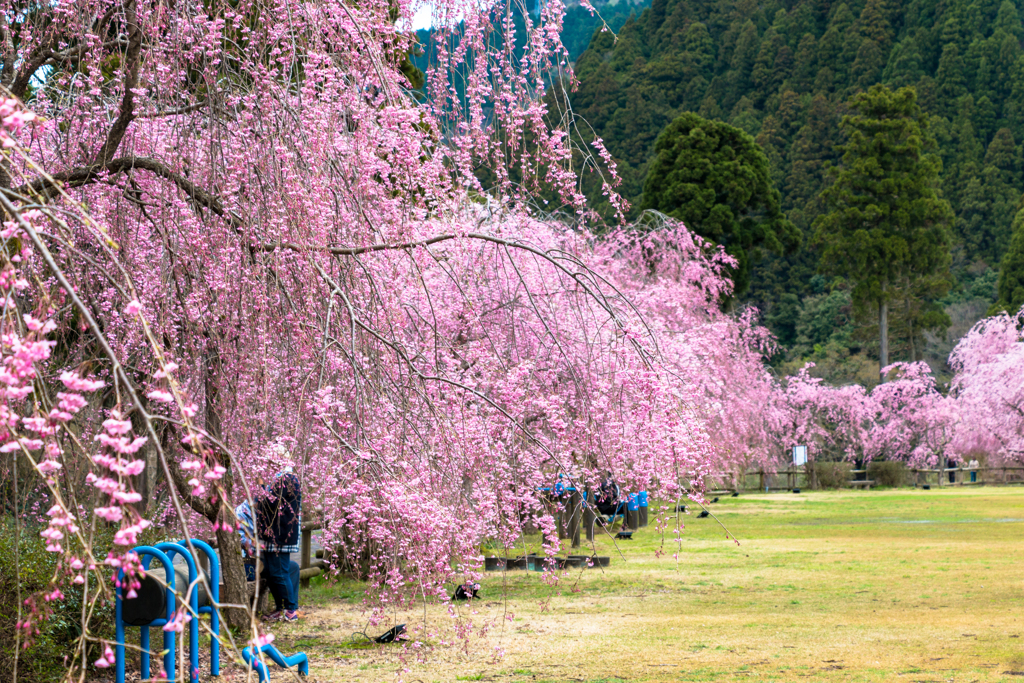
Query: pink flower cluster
x=13, y=118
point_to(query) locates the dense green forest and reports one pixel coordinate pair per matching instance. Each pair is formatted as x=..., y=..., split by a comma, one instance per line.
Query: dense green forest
x=785, y=72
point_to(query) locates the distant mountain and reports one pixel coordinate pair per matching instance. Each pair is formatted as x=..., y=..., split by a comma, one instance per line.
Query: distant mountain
x=579, y=24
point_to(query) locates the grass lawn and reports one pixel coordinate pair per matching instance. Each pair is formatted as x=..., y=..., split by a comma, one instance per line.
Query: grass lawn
x=901, y=585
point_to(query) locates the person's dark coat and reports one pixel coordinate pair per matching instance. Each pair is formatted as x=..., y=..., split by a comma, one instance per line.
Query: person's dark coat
x=277, y=513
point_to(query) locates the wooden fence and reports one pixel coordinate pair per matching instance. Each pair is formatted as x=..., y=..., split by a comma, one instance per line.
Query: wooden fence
x=308, y=566
x=800, y=478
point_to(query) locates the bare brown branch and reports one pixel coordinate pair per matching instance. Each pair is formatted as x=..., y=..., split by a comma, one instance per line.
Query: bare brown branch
x=133, y=58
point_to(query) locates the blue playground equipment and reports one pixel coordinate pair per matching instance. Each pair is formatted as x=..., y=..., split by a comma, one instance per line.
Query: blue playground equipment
x=253, y=660
x=165, y=552
x=157, y=605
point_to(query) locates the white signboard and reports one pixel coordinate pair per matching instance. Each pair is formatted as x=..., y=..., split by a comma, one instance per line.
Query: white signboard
x=799, y=455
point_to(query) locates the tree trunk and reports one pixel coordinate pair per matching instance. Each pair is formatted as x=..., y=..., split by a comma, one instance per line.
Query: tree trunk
x=883, y=333
x=229, y=546
x=910, y=328
x=228, y=542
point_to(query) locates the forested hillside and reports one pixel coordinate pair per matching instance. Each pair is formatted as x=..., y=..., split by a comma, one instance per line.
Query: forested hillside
x=784, y=72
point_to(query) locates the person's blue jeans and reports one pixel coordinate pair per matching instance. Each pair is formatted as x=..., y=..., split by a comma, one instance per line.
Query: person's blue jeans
x=282, y=577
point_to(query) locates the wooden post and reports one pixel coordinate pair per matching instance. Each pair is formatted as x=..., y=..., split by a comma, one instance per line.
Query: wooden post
x=631, y=518
x=575, y=510
x=307, y=544
x=761, y=487
x=589, y=518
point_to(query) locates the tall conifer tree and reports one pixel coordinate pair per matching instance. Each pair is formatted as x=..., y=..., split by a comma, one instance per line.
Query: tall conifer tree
x=887, y=229
x=1011, y=273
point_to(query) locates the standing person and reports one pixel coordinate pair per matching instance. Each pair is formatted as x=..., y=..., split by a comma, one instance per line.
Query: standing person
x=252, y=549
x=279, y=518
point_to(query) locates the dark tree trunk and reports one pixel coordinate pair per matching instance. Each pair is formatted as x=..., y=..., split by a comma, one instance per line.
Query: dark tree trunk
x=228, y=542
x=883, y=333
x=233, y=576
x=910, y=328
x=216, y=505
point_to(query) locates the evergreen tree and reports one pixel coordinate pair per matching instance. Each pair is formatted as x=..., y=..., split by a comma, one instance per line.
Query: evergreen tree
x=716, y=180
x=1011, y=273
x=887, y=229
x=810, y=155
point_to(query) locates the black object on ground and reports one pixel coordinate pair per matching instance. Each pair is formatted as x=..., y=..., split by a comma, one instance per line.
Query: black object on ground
x=927, y=487
x=680, y=508
x=715, y=500
x=625, y=535
x=392, y=635
x=735, y=494
x=466, y=591
x=796, y=490
x=703, y=514
x=600, y=560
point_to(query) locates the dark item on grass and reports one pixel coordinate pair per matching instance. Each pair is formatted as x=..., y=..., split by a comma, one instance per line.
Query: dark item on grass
x=715, y=499
x=624, y=535
x=796, y=490
x=927, y=487
x=703, y=514
x=735, y=494
x=391, y=635
x=680, y=508
x=466, y=591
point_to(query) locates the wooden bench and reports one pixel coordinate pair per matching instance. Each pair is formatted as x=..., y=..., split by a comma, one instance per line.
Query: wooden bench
x=867, y=483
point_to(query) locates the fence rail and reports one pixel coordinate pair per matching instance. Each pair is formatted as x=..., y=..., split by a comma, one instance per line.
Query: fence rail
x=800, y=477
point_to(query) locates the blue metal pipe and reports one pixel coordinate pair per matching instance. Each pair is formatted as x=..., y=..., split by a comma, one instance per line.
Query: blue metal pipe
x=213, y=609
x=192, y=597
x=146, y=554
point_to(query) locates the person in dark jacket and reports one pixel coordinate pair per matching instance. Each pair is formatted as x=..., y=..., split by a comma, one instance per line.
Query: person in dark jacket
x=279, y=518
x=252, y=548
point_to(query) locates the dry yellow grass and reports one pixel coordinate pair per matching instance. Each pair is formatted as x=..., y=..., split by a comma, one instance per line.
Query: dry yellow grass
x=844, y=586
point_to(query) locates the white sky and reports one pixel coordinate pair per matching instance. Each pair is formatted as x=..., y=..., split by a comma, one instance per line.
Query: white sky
x=422, y=17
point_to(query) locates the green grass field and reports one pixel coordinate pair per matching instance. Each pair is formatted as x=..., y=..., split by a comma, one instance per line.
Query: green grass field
x=828, y=586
